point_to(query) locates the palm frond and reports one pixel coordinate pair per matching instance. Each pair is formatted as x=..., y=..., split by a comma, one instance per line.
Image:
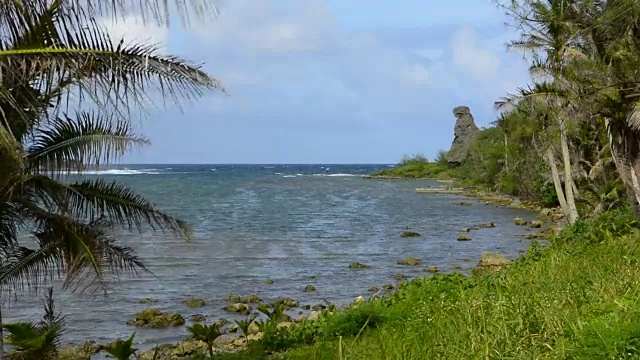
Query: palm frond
x=98, y=199
x=78, y=54
x=70, y=144
x=542, y=90
x=22, y=267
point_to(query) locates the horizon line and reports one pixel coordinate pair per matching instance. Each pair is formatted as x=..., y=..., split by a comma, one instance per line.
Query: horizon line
x=241, y=163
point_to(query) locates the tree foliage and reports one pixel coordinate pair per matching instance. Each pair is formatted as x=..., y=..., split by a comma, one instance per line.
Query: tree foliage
x=68, y=92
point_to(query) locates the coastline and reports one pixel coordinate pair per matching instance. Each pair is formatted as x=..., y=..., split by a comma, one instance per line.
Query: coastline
x=234, y=341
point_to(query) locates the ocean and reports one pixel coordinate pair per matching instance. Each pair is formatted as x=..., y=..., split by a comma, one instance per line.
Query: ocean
x=293, y=224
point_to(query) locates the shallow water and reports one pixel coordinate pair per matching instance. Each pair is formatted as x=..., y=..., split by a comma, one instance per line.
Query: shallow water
x=296, y=225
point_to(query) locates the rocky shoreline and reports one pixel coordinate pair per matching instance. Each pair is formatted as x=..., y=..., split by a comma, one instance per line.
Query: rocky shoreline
x=234, y=340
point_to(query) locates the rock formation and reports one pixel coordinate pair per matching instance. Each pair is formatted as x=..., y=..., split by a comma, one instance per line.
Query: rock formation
x=464, y=133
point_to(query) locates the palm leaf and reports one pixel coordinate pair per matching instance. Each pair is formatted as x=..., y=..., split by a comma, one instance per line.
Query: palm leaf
x=541, y=90
x=70, y=144
x=112, y=201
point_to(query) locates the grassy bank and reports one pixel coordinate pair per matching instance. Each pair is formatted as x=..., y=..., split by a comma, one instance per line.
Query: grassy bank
x=419, y=167
x=576, y=299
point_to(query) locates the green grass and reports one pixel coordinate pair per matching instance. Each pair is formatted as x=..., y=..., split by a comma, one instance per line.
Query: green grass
x=577, y=299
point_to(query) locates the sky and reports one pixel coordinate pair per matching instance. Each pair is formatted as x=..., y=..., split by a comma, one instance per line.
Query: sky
x=330, y=81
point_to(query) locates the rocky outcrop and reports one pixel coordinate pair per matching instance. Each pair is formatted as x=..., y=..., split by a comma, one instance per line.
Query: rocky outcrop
x=155, y=318
x=464, y=132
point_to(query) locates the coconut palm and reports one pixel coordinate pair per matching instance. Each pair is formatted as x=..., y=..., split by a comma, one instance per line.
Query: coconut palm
x=67, y=91
x=548, y=33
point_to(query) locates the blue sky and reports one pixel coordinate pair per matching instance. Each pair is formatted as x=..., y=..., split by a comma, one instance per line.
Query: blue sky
x=331, y=81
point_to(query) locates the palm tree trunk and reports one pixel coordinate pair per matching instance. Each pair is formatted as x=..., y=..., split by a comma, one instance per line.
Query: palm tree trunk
x=556, y=179
x=624, y=164
x=506, y=152
x=1, y=334
x=572, y=211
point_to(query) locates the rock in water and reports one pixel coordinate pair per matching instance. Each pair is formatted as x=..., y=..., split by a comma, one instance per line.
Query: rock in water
x=464, y=238
x=520, y=221
x=409, y=233
x=155, y=318
x=309, y=288
x=409, y=262
x=358, y=265
x=194, y=302
x=240, y=308
x=464, y=132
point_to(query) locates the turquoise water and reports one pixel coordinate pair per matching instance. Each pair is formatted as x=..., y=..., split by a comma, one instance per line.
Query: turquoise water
x=293, y=224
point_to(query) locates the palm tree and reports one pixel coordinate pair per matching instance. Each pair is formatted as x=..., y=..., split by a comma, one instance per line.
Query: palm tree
x=612, y=37
x=122, y=349
x=206, y=333
x=37, y=341
x=548, y=33
x=66, y=94
x=600, y=71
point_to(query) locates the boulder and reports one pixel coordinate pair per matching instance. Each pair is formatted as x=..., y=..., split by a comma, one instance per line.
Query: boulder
x=492, y=259
x=400, y=277
x=305, y=307
x=315, y=315
x=358, y=265
x=465, y=229
x=359, y=300
x=146, y=301
x=198, y=318
x=155, y=318
x=463, y=203
x=254, y=299
x=253, y=328
x=409, y=234
x=255, y=337
x=318, y=307
x=431, y=269
x=409, y=262
x=464, y=238
x=194, y=302
x=465, y=131
x=269, y=282
x=388, y=286
x=488, y=225
x=82, y=352
x=287, y=302
x=520, y=221
x=233, y=298
x=309, y=288
x=226, y=341
x=546, y=212
x=373, y=289
x=240, y=308
x=536, y=224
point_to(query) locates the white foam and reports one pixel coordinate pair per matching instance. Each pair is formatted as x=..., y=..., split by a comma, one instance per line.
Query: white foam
x=289, y=176
x=336, y=175
x=118, y=172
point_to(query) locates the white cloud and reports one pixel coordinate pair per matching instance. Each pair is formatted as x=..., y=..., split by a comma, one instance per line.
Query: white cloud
x=133, y=29
x=473, y=57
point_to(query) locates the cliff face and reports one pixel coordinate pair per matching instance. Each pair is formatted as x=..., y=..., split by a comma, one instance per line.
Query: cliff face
x=464, y=132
